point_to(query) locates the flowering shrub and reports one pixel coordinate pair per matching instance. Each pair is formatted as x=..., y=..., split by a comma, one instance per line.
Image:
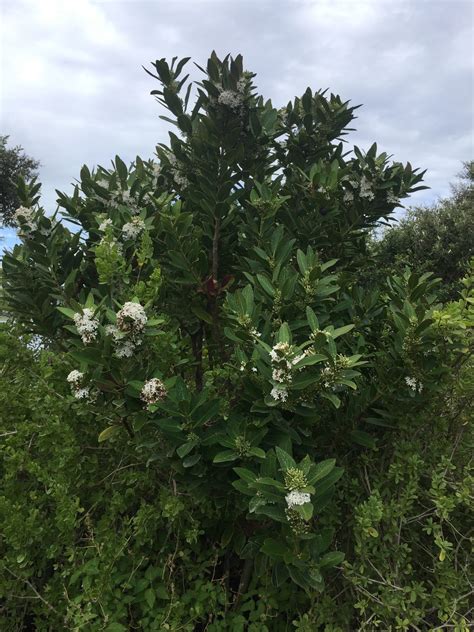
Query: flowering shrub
x=209, y=310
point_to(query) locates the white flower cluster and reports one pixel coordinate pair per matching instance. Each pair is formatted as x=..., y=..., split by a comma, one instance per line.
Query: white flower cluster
x=178, y=176
x=105, y=224
x=76, y=379
x=26, y=217
x=348, y=196
x=328, y=375
x=414, y=384
x=131, y=321
x=283, y=360
x=132, y=229
x=230, y=99
x=153, y=391
x=392, y=198
x=296, y=498
x=86, y=325
x=241, y=85
x=124, y=198
x=366, y=189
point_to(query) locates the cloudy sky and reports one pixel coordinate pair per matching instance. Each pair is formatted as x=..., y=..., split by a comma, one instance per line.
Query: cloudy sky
x=73, y=90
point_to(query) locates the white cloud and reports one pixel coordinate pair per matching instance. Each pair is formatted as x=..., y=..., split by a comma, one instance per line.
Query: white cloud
x=73, y=89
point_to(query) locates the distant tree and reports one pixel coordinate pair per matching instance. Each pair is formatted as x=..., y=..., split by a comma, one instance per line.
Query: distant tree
x=13, y=163
x=437, y=238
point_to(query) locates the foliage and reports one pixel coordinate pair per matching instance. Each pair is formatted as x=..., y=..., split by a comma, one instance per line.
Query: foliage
x=225, y=368
x=433, y=239
x=14, y=163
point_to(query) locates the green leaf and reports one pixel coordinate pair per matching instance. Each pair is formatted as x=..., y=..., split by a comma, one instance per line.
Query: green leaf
x=108, y=432
x=272, y=511
x=225, y=456
x=299, y=577
x=312, y=319
x=363, y=438
x=321, y=470
x=266, y=285
x=150, y=597
x=245, y=474
x=274, y=548
x=185, y=449
x=335, y=401
x=70, y=313
x=285, y=460
x=341, y=331
x=201, y=314
x=191, y=460
x=258, y=452
x=333, y=558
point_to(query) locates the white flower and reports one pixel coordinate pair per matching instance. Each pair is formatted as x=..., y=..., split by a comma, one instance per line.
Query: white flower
x=131, y=318
x=75, y=377
x=86, y=325
x=132, y=229
x=414, y=384
x=180, y=180
x=279, y=393
x=365, y=189
x=103, y=183
x=26, y=217
x=296, y=498
x=254, y=369
x=105, y=224
x=231, y=99
x=392, y=198
x=82, y=393
x=153, y=391
x=125, y=349
x=348, y=196
x=241, y=84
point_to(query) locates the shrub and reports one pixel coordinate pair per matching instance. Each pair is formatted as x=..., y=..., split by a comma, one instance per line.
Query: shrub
x=435, y=238
x=219, y=345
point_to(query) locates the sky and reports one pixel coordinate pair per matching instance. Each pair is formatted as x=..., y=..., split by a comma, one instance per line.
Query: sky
x=73, y=90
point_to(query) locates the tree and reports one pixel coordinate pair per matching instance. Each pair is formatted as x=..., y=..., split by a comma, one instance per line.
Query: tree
x=437, y=238
x=211, y=316
x=13, y=163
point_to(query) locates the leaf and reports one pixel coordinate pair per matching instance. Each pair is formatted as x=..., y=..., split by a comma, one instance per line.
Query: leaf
x=225, y=456
x=333, y=558
x=245, y=474
x=341, y=331
x=335, y=401
x=363, y=438
x=150, y=597
x=201, y=314
x=185, y=449
x=299, y=577
x=258, y=452
x=191, y=460
x=274, y=548
x=321, y=470
x=276, y=513
x=285, y=460
x=266, y=285
x=312, y=319
x=108, y=432
x=70, y=313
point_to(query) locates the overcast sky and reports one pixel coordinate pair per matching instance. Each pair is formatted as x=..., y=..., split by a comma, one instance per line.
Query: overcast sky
x=73, y=90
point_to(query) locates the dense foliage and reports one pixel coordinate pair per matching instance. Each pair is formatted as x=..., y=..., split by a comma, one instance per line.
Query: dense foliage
x=438, y=238
x=223, y=429
x=14, y=163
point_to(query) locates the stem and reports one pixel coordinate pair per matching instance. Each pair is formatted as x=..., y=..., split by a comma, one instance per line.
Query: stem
x=128, y=427
x=244, y=582
x=196, y=342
